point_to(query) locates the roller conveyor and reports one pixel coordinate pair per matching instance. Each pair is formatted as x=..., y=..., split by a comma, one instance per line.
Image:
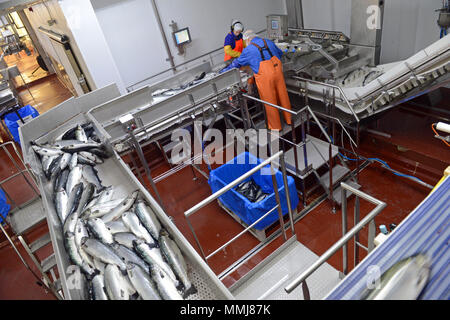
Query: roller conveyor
x=425, y=230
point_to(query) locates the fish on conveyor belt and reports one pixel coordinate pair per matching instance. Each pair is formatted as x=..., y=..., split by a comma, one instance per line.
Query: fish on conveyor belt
x=91, y=157
x=99, y=210
x=47, y=151
x=405, y=280
x=70, y=133
x=74, y=178
x=75, y=257
x=84, y=161
x=61, y=180
x=123, y=207
x=80, y=135
x=79, y=147
x=98, y=289
x=72, y=220
x=90, y=174
x=142, y=282
x=129, y=256
x=126, y=239
x=115, y=284
x=117, y=227
x=54, y=167
x=59, y=144
x=74, y=198
x=166, y=286
x=46, y=162
x=88, y=194
x=73, y=161
x=148, y=219
x=65, y=159
x=81, y=232
x=153, y=256
x=132, y=222
x=61, y=202
x=103, y=252
x=106, y=195
x=100, y=231
x=175, y=259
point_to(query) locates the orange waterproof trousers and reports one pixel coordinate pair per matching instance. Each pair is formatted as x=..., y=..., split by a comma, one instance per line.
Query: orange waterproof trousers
x=272, y=88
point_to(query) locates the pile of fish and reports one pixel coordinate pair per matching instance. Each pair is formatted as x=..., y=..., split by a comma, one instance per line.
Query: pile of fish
x=118, y=243
x=251, y=190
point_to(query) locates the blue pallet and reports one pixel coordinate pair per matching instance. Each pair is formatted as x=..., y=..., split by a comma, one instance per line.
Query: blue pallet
x=425, y=230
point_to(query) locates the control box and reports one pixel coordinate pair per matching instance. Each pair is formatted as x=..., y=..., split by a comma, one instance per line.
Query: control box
x=277, y=27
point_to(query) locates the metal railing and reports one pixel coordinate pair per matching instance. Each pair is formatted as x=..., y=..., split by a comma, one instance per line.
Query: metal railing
x=347, y=236
x=331, y=86
x=216, y=195
x=308, y=112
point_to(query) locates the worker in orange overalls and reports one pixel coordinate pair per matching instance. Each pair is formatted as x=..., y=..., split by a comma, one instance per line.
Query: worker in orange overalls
x=264, y=58
x=234, y=44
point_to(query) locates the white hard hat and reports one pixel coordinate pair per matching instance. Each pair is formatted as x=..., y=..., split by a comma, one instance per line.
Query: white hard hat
x=236, y=25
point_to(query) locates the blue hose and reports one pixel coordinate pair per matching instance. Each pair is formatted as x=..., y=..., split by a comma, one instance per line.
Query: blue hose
x=384, y=163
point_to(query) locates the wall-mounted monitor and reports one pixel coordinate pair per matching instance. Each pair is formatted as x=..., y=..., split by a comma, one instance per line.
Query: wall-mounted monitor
x=182, y=36
x=275, y=24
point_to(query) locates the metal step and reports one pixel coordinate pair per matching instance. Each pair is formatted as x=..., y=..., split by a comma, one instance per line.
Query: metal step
x=338, y=173
x=337, y=193
x=25, y=219
x=317, y=153
x=269, y=278
x=48, y=263
x=41, y=242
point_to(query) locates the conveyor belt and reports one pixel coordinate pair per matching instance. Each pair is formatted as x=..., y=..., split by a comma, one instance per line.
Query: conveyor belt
x=425, y=230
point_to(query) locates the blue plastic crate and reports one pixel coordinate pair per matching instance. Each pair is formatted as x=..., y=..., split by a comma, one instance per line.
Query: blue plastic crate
x=11, y=120
x=4, y=207
x=248, y=211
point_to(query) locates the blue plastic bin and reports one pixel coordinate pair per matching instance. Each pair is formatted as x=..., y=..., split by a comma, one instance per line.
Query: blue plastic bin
x=248, y=211
x=4, y=207
x=12, y=118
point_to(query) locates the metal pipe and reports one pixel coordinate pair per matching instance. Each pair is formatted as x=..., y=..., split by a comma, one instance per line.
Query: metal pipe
x=161, y=29
x=271, y=104
x=277, y=198
x=146, y=167
x=330, y=252
x=228, y=187
x=344, y=230
x=356, y=239
x=286, y=190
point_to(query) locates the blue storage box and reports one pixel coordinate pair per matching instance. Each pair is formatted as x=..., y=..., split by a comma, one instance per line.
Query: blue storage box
x=12, y=118
x=4, y=207
x=248, y=211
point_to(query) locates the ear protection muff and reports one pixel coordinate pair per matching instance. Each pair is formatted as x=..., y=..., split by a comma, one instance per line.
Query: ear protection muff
x=235, y=23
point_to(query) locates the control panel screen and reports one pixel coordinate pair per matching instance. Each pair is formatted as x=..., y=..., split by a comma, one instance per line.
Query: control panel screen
x=275, y=25
x=182, y=36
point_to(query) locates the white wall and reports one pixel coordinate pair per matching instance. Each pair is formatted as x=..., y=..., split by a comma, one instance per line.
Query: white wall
x=86, y=38
x=408, y=25
x=132, y=33
x=135, y=41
